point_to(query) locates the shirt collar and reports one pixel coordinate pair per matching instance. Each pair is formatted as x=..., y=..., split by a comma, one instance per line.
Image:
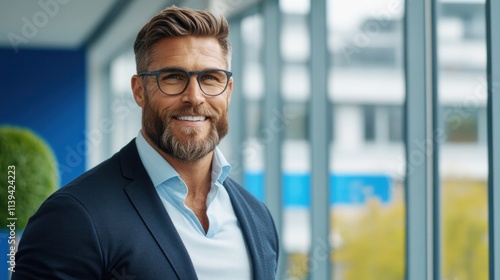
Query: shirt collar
x=220, y=167
x=159, y=170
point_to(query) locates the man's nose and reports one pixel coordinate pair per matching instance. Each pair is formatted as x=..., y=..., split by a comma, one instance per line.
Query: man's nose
x=193, y=93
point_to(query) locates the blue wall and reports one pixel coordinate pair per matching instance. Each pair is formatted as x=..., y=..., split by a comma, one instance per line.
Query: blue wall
x=44, y=90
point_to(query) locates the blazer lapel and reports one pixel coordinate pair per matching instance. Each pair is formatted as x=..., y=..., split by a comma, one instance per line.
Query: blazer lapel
x=246, y=218
x=146, y=201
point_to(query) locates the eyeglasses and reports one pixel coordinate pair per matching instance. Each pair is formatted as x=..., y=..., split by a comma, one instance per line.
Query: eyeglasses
x=174, y=81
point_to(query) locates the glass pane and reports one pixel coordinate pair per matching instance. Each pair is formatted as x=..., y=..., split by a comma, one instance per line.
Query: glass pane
x=463, y=157
x=253, y=92
x=125, y=114
x=461, y=130
x=295, y=91
x=366, y=89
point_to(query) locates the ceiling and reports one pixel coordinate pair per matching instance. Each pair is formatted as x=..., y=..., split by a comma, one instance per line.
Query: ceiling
x=76, y=23
x=51, y=23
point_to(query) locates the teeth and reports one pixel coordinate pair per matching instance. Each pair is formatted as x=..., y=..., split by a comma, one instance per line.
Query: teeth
x=191, y=118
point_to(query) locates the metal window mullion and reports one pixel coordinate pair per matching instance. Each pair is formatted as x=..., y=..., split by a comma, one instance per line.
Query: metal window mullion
x=319, y=125
x=272, y=133
x=422, y=199
x=436, y=126
x=107, y=112
x=493, y=71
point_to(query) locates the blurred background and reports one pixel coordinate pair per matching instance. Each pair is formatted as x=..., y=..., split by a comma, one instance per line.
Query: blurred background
x=65, y=69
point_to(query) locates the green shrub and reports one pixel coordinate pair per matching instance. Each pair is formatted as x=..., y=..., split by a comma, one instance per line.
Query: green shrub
x=36, y=174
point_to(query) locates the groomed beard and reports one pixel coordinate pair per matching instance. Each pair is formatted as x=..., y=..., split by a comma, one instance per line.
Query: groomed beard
x=157, y=127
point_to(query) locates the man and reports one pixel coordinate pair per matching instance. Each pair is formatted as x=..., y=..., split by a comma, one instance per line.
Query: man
x=163, y=207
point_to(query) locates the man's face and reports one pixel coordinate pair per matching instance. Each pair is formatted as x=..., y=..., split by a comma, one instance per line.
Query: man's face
x=187, y=126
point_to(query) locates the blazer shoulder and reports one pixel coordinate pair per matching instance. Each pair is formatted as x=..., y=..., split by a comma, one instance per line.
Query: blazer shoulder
x=108, y=177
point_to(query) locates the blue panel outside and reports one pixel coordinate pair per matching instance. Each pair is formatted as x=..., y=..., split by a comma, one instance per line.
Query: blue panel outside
x=344, y=189
x=296, y=190
x=356, y=189
x=254, y=183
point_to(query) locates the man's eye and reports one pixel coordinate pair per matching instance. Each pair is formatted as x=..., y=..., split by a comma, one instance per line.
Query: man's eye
x=209, y=77
x=173, y=77
x=214, y=76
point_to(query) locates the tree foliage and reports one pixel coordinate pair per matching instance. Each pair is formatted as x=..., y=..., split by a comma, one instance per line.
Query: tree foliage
x=374, y=241
x=465, y=230
x=373, y=244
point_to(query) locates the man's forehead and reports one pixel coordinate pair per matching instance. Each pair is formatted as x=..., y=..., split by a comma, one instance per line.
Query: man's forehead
x=202, y=49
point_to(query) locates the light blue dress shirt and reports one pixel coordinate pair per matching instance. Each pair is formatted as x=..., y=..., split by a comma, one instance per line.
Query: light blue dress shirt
x=221, y=252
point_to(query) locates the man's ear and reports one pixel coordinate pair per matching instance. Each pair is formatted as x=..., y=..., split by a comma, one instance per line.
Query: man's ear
x=138, y=90
x=229, y=91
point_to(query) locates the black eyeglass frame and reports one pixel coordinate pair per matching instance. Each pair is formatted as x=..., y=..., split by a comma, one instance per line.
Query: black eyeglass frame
x=189, y=74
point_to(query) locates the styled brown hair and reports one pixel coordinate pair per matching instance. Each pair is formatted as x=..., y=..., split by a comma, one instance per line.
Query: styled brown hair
x=176, y=22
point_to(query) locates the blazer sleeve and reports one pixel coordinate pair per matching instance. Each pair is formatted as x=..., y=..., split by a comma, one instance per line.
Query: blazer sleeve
x=60, y=242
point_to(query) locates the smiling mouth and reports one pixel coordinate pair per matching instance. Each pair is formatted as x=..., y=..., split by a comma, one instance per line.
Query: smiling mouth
x=191, y=118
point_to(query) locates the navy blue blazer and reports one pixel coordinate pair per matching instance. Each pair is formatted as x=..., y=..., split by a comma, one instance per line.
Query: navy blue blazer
x=110, y=223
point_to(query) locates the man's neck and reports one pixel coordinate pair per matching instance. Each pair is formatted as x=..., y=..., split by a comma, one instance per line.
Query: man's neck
x=196, y=174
